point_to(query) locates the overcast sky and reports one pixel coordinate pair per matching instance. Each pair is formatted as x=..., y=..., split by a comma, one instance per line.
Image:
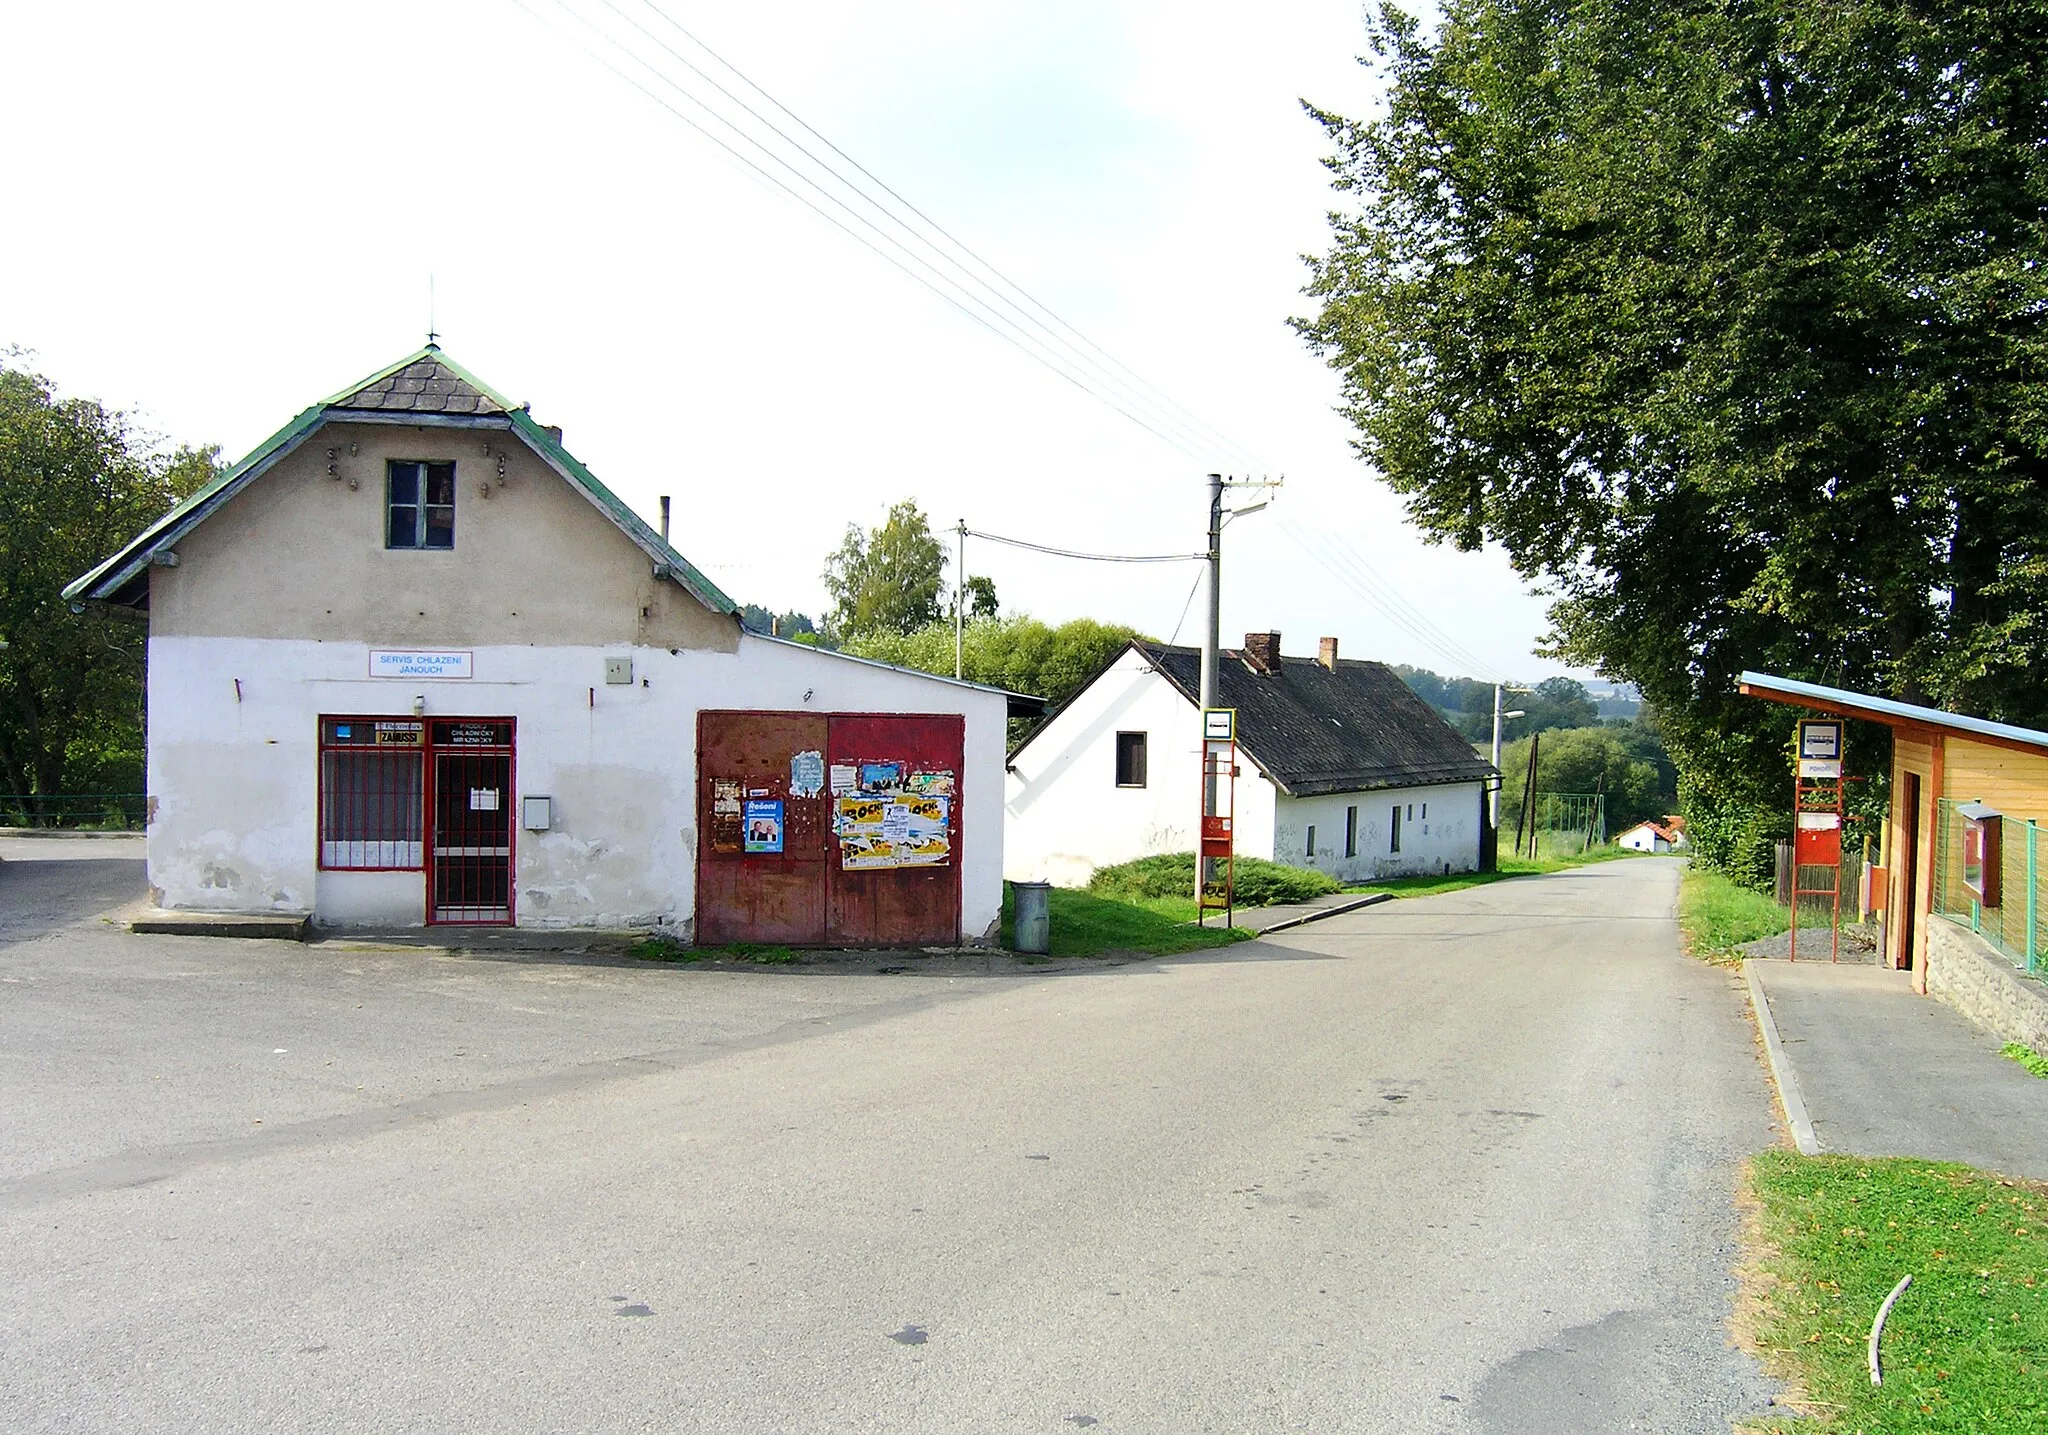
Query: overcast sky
x=223, y=212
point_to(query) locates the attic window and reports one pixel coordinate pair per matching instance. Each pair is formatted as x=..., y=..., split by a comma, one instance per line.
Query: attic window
x=419, y=505
x=1130, y=759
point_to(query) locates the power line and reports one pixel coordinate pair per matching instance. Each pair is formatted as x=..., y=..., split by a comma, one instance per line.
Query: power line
x=1158, y=419
x=1215, y=437
x=1132, y=396
x=1099, y=373
x=1089, y=557
x=1360, y=579
x=1017, y=340
x=770, y=179
x=1184, y=607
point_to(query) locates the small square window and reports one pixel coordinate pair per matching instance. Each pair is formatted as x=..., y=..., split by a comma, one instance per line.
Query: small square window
x=419, y=505
x=1130, y=759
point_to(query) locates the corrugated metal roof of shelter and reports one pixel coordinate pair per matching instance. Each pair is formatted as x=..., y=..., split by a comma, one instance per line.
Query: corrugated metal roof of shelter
x=123, y=577
x=1870, y=707
x=1316, y=730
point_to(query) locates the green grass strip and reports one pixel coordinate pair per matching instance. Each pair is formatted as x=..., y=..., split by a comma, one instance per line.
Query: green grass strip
x=1087, y=925
x=2026, y=1056
x=1965, y=1349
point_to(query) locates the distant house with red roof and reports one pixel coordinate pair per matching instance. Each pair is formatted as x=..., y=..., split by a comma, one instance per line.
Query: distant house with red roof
x=1660, y=835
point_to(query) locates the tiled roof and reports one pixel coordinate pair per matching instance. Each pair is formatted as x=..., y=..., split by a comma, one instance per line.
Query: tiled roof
x=427, y=385
x=1316, y=730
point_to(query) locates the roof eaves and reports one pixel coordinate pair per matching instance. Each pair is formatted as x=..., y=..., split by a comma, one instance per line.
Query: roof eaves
x=1814, y=695
x=650, y=542
x=117, y=571
x=1074, y=696
x=748, y=634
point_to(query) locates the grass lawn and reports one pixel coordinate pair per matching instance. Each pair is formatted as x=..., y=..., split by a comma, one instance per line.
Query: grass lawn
x=1086, y=925
x=1718, y=915
x=1966, y=1347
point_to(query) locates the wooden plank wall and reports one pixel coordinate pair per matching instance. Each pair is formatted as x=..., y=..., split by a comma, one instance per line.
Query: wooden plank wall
x=2016, y=783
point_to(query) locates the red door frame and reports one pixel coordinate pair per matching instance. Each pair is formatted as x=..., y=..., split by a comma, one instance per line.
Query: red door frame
x=430, y=795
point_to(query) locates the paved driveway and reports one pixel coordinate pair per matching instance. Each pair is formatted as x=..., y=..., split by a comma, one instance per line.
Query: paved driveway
x=1448, y=1164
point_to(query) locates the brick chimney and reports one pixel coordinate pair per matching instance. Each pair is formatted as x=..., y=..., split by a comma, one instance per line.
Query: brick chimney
x=1262, y=651
x=1326, y=653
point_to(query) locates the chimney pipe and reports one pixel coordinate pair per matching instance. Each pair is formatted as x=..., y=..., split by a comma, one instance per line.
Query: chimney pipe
x=664, y=518
x=1326, y=654
x=1262, y=651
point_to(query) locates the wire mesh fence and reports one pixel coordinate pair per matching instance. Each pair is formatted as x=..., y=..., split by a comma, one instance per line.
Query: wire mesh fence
x=103, y=811
x=2017, y=922
x=1564, y=824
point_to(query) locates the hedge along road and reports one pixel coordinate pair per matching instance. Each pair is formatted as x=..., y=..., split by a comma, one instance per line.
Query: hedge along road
x=1457, y=1163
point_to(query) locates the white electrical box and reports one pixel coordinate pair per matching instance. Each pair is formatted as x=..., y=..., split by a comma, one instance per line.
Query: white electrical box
x=618, y=671
x=537, y=814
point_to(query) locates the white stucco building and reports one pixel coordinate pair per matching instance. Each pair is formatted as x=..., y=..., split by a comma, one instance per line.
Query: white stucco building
x=1343, y=769
x=1665, y=836
x=411, y=663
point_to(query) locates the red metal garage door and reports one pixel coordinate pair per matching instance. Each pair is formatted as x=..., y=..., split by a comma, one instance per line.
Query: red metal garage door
x=896, y=881
x=840, y=830
x=761, y=849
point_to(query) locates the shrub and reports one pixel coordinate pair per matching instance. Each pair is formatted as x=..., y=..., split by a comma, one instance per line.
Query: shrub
x=1258, y=883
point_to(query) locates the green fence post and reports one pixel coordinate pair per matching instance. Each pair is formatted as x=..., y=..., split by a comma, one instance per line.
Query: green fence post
x=2033, y=888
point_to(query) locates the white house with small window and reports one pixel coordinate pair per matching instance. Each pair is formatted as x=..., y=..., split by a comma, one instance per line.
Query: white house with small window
x=1342, y=768
x=410, y=663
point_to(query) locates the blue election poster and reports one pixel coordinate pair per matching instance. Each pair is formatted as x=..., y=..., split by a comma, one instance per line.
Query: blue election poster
x=763, y=826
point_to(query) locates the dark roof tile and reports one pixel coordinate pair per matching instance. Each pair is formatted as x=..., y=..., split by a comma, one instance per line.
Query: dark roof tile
x=1315, y=730
x=427, y=386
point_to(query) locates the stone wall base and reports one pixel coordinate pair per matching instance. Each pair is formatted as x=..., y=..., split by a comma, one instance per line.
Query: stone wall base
x=1967, y=973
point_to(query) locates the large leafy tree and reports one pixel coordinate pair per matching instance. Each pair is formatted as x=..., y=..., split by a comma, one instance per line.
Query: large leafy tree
x=889, y=579
x=1614, y=762
x=76, y=482
x=1724, y=319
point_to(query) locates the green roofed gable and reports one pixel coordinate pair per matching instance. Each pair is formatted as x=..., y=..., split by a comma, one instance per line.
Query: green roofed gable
x=424, y=387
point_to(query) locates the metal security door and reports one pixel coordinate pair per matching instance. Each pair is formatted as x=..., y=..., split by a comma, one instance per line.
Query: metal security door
x=896, y=783
x=761, y=831
x=469, y=861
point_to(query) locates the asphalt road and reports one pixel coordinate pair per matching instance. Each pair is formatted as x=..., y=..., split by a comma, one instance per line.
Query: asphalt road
x=1461, y=1163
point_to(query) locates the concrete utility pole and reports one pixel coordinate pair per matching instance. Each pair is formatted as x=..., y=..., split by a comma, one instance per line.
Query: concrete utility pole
x=959, y=595
x=1498, y=688
x=1212, y=642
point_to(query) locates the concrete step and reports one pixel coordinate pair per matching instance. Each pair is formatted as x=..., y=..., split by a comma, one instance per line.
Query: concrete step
x=262, y=926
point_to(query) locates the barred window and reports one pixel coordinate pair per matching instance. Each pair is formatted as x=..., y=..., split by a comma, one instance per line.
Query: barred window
x=372, y=793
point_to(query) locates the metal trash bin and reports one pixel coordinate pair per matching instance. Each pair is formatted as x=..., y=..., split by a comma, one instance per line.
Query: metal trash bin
x=1031, y=916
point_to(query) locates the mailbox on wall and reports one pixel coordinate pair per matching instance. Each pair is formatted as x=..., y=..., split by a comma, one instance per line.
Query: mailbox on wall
x=1982, y=856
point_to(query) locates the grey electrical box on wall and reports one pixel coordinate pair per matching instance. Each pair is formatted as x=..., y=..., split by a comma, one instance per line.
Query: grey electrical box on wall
x=618, y=671
x=537, y=814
